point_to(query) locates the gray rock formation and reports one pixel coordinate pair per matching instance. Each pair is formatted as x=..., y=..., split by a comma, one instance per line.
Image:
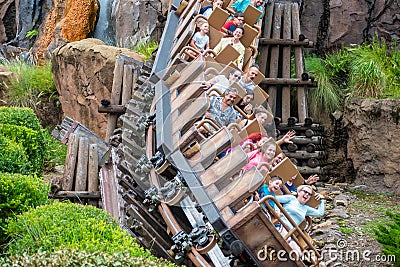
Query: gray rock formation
x=348, y=22
x=83, y=74
x=134, y=20
x=374, y=143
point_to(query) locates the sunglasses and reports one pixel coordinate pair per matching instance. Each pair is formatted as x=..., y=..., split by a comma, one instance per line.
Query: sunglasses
x=236, y=75
x=306, y=193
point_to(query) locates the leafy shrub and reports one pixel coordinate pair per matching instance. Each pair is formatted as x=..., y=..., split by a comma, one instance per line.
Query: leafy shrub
x=55, y=152
x=327, y=95
x=146, y=48
x=17, y=194
x=20, y=117
x=66, y=225
x=389, y=236
x=74, y=258
x=13, y=157
x=32, y=142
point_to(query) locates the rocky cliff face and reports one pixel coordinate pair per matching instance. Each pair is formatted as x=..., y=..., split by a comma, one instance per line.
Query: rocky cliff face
x=329, y=23
x=332, y=23
x=83, y=74
x=374, y=143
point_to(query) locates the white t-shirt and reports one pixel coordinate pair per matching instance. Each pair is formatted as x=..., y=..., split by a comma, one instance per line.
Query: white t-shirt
x=201, y=41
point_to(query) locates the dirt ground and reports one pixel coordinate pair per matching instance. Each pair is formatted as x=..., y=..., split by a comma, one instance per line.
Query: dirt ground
x=345, y=235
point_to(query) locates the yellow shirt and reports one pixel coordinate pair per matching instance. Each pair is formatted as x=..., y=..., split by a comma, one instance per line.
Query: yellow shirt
x=238, y=46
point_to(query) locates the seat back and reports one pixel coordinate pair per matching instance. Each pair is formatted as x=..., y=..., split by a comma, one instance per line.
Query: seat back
x=227, y=55
x=210, y=149
x=224, y=168
x=251, y=15
x=239, y=189
x=185, y=118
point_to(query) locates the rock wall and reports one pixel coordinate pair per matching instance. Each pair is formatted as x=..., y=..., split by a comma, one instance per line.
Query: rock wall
x=374, y=144
x=329, y=23
x=134, y=20
x=332, y=23
x=83, y=74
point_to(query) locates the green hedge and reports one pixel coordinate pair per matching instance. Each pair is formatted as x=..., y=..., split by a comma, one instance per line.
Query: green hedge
x=31, y=140
x=72, y=226
x=13, y=157
x=18, y=193
x=20, y=117
x=74, y=258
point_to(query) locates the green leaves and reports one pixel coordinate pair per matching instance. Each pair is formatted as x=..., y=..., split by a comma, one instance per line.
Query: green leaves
x=389, y=236
x=18, y=193
x=84, y=231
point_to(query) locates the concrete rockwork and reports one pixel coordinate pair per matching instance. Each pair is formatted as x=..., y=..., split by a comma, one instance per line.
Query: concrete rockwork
x=374, y=144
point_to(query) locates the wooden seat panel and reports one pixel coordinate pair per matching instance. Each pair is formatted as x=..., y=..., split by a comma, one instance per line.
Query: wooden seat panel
x=238, y=190
x=225, y=167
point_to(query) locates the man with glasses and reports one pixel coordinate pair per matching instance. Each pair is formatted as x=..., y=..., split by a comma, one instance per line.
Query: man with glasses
x=229, y=27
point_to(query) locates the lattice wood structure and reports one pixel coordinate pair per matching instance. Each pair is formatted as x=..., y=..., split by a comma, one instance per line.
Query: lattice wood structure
x=280, y=42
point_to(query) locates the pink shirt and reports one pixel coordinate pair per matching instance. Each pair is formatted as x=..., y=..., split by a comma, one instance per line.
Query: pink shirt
x=255, y=157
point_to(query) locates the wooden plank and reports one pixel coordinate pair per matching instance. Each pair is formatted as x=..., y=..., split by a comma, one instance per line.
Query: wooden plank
x=127, y=84
x=93, y=171
x=109, y=190
x=93, y=196
x=263, y=49
x=112, y=109
x=274, y=63
x=287, y=25
x=70, y=163
x=115, y=95
x=299, y=65
x=82, y=165
x=284, y=41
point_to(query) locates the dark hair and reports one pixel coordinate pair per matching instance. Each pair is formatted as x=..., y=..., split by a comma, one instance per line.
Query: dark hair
x=231, y=89
x=275, y=178
x=235, y=70
x=255, y=66
x=249, y=92
x=238, y=14
x=239, y=27
x=260, y=110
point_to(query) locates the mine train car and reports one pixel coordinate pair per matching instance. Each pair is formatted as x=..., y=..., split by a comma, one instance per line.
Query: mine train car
x=183, y=199
x=204, y=199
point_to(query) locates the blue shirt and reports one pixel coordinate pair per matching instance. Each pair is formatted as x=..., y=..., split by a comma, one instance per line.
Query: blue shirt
x=291, y=188
x=263, y=191
x=298, y=211
x=241, y=5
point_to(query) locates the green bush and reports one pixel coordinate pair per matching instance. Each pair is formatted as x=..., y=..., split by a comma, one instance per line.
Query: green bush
x=20, y=117
x=74, y=258
x=326, y=97
x=31, y=85
x=18, y=193
x=55, y=152
x=72, y=226
x=32, y=142
x=389, y=236
x=13, y=157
